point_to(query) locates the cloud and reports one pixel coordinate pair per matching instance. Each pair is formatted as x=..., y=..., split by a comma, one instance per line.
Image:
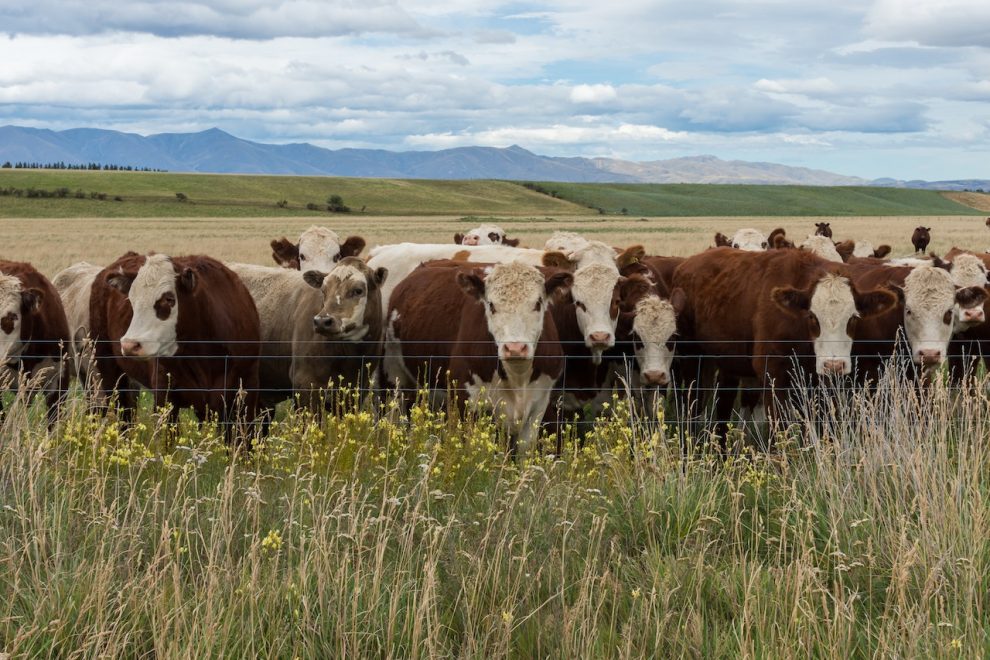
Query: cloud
x=593, y=93
x=494, y=37
x=947, y=23
x=247, y=19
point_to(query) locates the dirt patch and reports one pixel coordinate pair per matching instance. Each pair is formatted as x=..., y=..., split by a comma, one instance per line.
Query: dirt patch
x=978, y=201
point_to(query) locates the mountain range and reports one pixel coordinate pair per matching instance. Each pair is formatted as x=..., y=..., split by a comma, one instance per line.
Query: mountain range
x=216, y=151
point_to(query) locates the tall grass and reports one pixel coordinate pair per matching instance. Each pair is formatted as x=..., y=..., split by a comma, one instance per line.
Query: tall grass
x=372, y=533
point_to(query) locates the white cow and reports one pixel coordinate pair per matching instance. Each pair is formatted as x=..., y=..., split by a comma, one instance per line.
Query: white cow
x=485, y=235
x=74, y=285
x=821, y=246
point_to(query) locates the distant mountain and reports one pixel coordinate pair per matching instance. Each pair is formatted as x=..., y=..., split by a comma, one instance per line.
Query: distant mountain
x=214, y=150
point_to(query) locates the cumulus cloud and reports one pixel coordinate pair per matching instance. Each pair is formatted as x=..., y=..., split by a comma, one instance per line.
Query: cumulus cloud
x=593, y=93
x=243, y=19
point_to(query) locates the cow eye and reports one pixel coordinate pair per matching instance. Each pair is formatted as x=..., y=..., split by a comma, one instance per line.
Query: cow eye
x=491, y=307
x=336, y=257
x=580, y=305
x=302, y=257
x=539, y=306
x=947, y=317
x=357, y=292
x=907, y=312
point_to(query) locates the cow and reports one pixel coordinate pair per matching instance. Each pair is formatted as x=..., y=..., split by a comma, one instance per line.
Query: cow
x=751, y=240
x=927, y=302
x=866, y=249
x=966, y=270
x=823, y=247
x=988, y=223
x=971, y=343
x=74, y=285
x=754, y=315
x=318, y=248
x=823, y=229
x=921, y=238
x=777, y=240
x=484, y=332
x=485, y=235
x=185, y=327
x=34, y=334
x=317, y=329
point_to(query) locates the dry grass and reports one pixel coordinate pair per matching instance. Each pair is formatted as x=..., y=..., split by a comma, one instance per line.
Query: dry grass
x=980, y=201
x=357, y=536
x=52, y=244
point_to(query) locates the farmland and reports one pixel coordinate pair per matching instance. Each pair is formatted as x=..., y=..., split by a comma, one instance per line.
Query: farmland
x=368, y=532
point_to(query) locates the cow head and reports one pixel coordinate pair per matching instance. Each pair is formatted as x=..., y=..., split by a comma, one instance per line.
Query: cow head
x=351, y=291
x=566, y=242
x=751, y=240
x=16, y=303
x=318, y=249
x=515, y=297
x=930, y=299
x=596, y=293
x=153, y=292
x=485, y=235
x=969, y=273
x=822, y=247
x=830, y=311
x=653, y=328
x=777, y=240
x=823, y=229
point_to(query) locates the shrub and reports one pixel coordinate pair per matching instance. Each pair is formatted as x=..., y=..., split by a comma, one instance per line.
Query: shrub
x=335, y=204
x=181, y=197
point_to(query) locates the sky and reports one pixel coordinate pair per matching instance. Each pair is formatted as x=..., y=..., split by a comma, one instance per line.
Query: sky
x=871, y=88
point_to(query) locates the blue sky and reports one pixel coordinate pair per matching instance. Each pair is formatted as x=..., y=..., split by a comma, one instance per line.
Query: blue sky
x=868, y=88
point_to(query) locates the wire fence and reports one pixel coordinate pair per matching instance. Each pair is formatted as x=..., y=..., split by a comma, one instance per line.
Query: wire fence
x=710, y=385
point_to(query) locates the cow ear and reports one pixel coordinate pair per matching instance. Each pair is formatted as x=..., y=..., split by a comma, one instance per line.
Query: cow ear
x=678, y=300
x=874, y=302
x=557, y=260
x=472, y=283
x=881, y=251
x=351, y=247
x=558, y=286
x=790, y=299
x=31, y=300
x=120, y=282
x=379, y=276
x=898, y=291
x=493, y=237
x=928, y=228
x=285, y=253
x=938, y=262
x=458, y=238
x=721, y=240
x=314, y=278
x=971, y=296
x=630, y=255
x=511, y=242
x=188, y=279
x=845, y=249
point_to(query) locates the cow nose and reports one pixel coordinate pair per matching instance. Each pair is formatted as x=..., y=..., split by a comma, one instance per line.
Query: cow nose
x=515, y=350
x=930, y=356
x=600, y=338
x=325, y=324
x=834, y=366
x=657, y=377
x=974, y=315
x=131, y=348
x=470, y=240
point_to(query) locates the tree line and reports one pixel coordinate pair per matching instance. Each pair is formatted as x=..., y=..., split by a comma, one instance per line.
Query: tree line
x=107, y=167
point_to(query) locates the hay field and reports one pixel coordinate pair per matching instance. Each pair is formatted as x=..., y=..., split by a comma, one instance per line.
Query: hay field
x=54, y=243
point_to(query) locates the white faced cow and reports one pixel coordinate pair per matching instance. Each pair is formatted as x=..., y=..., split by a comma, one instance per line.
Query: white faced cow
x=485, y=235
x=318, y=248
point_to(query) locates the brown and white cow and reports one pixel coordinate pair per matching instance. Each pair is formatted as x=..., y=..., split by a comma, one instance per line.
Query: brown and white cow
x=185, y=327
x=486, y=331
x=34, y=334
x=753, y=315
x=927, y=305
x=969, y=344
x=74, y=285
x=749, y=240
x=485, y=235
x=921, y=238
x=317, y=328
x=318, y=248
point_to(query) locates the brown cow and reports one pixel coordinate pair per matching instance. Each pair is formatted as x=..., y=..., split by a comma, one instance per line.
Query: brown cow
x=921, y=238
x=318, y=249
x=752, y=315
x=34, y=334
x=777, y=240
x=823, y=229
x=185, y=327
x=485, y=332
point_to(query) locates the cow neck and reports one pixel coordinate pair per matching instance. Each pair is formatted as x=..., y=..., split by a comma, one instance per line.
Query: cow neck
x=518, y=373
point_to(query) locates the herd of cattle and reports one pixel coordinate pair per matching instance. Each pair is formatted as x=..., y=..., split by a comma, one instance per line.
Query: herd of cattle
x=539, y=334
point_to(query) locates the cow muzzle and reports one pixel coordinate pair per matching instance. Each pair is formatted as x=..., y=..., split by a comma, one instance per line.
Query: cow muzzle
x=656, y=378
x=600, y=340
x=327, y=325
x=129, y=348
x=973, y=316
x=516, y=350
x=928, y=357
x=835, y=368
x=469, y=240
